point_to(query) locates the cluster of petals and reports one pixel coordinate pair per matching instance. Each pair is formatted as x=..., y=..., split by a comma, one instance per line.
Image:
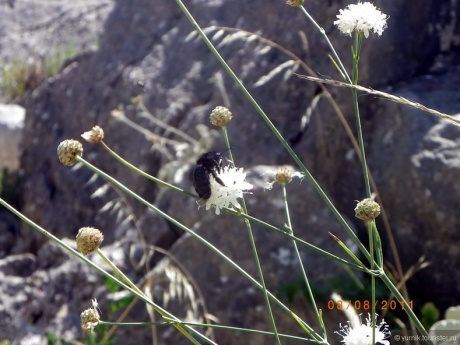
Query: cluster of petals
x=362, y=17
x=362, y=334
x=227, y=196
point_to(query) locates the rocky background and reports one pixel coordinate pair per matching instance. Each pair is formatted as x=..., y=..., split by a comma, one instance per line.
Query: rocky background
x=125, y=49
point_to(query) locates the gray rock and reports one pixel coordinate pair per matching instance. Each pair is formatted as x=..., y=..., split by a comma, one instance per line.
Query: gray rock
x=44, y=299
x=32, y=29
x=415, y=158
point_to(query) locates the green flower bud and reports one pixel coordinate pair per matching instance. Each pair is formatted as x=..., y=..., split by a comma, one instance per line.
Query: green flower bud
x=367, y=210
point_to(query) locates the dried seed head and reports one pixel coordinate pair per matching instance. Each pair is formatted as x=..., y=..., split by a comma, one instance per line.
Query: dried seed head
x=94, y=136
x=88, y=240
x=283, y=175
x=220, y=116
x=367, y=210
x=90, y=317
x=294, y=3
x=68, y=150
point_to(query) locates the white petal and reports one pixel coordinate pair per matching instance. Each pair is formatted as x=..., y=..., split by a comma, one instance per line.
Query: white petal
x=227, y=196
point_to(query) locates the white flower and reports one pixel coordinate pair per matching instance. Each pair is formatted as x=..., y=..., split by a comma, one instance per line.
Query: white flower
x=283, y=175
x=361, y=17
x=227, y=196
x=362, y=334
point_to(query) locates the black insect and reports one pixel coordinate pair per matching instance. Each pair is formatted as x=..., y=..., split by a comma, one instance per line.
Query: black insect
x=209, y=163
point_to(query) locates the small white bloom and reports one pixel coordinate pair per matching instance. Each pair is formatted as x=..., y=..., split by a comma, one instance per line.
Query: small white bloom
x=227, y=196
x=362, y=334
x=283, y=175
x=362, y=17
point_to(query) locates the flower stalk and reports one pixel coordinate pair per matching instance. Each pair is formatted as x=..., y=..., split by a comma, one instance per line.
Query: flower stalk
x=254, y=247
x=299, y=258
x=336, y=58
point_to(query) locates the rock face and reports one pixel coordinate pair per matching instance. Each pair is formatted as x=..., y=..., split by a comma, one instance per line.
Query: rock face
x=416, y=160
x=30, y=28
x=412, y=155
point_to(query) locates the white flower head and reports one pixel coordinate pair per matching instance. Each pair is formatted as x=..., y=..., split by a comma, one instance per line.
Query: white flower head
x=362, y=334
x=283, y=175
x=227, y=196
x=362, y=17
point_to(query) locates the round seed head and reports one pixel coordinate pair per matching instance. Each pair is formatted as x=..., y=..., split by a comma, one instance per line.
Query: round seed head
x=68, y=150
x=220, y=116
x=88, y=240
x=367, y=210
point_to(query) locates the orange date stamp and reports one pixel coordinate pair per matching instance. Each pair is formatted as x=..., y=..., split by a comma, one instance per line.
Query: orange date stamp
x=367, y=304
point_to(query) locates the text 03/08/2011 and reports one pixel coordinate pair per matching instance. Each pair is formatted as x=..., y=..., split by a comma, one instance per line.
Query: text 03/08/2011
x=367, y=304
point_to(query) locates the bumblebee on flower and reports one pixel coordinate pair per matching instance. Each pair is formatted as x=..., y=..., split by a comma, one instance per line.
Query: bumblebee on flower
x=227, y=195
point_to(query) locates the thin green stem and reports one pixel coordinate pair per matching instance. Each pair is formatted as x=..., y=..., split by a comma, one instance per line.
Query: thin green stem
x=184, y=330
x=275, y=131
x=194, y=324
x=143, y=173
x=371, y=250
x=190, y=232
x=299, y=258
x=254, y=247
x=399, y=297
x=118, y=271
x=343, y=70
x=356, y=51
x=300, y=241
